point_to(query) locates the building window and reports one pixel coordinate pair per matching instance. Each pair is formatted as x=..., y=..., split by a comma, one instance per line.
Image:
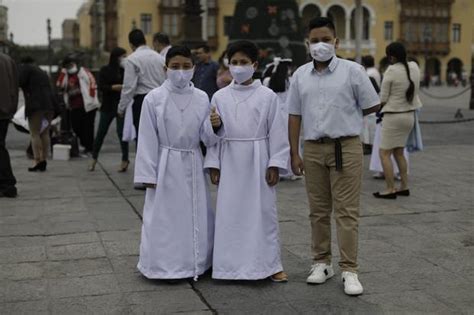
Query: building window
x=211, y=4
x=171, y=3
x=388, y=34
x=211, y=26
x=456, y=33
x=145, y=23
x=228, y=25
x=170, y=24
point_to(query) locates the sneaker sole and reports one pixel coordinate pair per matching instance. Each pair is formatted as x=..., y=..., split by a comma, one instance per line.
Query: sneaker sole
x=329, y=276
x=353, y=294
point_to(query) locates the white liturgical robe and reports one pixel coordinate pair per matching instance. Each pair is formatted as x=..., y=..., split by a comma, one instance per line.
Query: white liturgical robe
x=178, y=221
x=254, y=138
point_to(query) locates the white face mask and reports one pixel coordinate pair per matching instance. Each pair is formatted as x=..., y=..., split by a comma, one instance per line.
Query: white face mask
x=241, y=73
x=322, y=51
x=180, y=78
x=72, y=70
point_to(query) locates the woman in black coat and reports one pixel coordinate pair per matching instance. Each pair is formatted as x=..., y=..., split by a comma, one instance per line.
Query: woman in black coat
x=110, y=84
x=39, y=109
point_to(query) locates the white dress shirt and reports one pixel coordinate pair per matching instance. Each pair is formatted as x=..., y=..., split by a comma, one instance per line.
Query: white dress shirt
x=331, y=102
x=144, y=71
x=164, y=51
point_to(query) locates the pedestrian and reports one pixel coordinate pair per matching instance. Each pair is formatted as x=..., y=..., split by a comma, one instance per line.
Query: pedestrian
x=80, y=96
x=39, y=109
x=278, y=80
x=246, y=167
x=178, y=221
x=110, y=84
x=375, y=163
x=143, y=71
x=400, y=100
x=330, y=96
x=161, y=43
x=8, y=107
x=368, y=130
x=223, y=74
x=205, y=75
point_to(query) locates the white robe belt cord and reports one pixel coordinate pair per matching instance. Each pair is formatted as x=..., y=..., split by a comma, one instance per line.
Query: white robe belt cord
x=194, y=188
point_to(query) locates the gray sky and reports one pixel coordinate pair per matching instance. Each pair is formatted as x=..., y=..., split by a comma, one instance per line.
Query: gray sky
x=27, y=18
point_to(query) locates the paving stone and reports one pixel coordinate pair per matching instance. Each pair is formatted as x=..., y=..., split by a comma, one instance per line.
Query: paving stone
x=83, y=286
x=76, y=238
x=77, y=268
x=22, y=254
x=122, y=248
x=164, y=302
x=24, y=290
x=28, y=307
x=21, y=271
x=102, y=304
x=135, y=282
x=75, y=251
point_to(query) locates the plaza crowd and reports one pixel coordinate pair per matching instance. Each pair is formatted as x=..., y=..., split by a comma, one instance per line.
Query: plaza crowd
x=193, y=117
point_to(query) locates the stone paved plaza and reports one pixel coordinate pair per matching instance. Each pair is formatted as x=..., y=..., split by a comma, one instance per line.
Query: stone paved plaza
x=69, y=242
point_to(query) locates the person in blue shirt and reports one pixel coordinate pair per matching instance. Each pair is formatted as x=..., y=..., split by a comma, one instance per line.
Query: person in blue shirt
x=205, y=73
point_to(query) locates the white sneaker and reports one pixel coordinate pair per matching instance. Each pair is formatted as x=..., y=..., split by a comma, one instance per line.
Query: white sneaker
x=319, y=273
x=352, y=284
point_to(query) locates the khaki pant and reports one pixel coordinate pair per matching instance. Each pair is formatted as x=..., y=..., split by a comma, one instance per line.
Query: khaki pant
x=40, y=141
x=329, y=189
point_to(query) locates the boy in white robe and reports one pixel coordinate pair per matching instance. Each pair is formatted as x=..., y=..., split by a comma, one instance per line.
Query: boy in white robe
x=178, y=221
x=246, y=165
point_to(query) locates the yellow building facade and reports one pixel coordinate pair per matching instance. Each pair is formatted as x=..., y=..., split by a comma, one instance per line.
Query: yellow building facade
x=384, y=21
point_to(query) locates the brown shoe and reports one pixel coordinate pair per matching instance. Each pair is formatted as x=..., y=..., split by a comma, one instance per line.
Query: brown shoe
x=124, y=166
x=279, y=277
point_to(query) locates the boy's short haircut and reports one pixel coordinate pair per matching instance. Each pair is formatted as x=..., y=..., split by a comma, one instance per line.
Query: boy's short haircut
x=204, y=47
x=179, y=51
x=368, y=61
x=244, y=46
x=161, y=38
x=136, y=38
x=321, y=22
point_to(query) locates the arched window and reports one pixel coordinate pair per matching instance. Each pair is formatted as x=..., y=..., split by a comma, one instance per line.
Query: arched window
x=338, y=16
x=310, y=12
x=365, y=24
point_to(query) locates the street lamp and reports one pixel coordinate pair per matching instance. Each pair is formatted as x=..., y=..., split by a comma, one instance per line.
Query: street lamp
x=48, y=29
x=471, y=103
x=427, y=40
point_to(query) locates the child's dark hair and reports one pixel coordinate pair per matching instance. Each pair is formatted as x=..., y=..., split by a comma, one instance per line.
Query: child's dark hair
x=136, y=38
x=279, y=78
x=179, y=51
x=244, y=46
x=398, y=51
x=368, y=61
x=321, y=22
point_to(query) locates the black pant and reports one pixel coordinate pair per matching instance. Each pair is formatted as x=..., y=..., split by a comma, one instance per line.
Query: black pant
x=137, y=110
x=105, y=120
x=82, y=124
x=7, y=179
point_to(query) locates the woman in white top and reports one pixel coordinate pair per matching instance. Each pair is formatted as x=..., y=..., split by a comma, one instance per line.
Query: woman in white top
x=399, y=97
x=277, y=78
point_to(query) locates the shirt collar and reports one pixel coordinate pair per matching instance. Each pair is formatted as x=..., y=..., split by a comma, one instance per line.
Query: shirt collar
x=331, y=67
x=255, y=84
